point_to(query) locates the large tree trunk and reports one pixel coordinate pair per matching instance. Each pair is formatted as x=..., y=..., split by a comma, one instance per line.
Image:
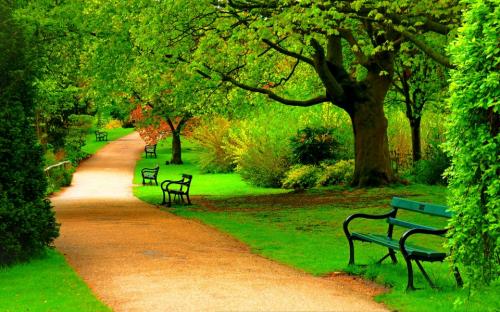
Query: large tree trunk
x=415, y=139
x=373, y=164
x=176, y=148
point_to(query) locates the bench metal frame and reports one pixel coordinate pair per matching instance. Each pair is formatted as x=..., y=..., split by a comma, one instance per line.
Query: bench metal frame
x=150, y=174
x=409, y=252
x=150, y=150
x=178, y=189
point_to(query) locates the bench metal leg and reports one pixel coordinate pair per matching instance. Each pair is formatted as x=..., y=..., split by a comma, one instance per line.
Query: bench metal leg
x=389, y=254
x=425, y=273
x=410, y=285
x=189, y=200
x=351, y=251
x=392, y=254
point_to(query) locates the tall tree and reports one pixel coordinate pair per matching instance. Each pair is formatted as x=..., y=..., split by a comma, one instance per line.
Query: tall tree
x=419, y=82
x=348, y=46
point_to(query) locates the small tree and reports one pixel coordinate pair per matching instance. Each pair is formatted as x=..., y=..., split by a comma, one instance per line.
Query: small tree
x=474, y=143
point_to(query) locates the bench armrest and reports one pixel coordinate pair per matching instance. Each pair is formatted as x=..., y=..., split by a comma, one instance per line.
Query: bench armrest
x=348, y=220
x=165, y=184
x=407, y=234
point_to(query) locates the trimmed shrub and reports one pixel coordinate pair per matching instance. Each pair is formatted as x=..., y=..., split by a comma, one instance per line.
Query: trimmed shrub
x=474, y=144
x=213, y=139
x=27, y=222
x=340, y=172
x=313, y=145
x=301, y=177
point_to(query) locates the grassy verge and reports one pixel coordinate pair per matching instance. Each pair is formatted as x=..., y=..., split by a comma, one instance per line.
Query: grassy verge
x=46, y=284
x=305, y=231
x=202, y=184
x=92, y=146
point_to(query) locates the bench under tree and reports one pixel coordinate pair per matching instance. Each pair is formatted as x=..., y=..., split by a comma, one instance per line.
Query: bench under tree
x=409, y=251
x=150, y=174
x=176, y=190
x=150, y=150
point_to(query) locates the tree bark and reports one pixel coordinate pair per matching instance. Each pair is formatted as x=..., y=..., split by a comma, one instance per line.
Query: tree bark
x=415, y=139
x=176, y=148
x=373, y=164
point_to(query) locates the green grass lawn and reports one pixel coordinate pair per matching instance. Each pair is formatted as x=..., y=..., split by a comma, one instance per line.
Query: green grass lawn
x=305, y=232
x=202, y=184
x=92, y=146
x=45, y=284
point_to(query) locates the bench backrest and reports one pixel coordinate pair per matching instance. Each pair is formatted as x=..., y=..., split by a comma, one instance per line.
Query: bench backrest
x=150, y=148
x=186, y=180
x=425, y=208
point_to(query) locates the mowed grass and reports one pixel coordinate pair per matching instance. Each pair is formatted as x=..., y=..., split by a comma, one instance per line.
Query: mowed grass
x=45, y=284
x=305, y=232
x=92, y=146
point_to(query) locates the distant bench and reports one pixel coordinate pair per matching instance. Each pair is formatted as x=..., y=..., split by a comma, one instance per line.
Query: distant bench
x=101, y=135
x=409, y=251
x=150, y=150
x=150, y=174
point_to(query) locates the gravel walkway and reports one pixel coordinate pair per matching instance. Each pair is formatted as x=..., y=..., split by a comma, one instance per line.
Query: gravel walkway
x=138, y=258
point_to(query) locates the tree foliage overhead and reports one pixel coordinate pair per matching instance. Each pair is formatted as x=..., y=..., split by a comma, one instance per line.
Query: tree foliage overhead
x=346, y=49
x=474, y=143
x=27, y=222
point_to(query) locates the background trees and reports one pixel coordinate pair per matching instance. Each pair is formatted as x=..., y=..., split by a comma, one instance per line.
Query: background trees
x=474, y=143
x=346, y=49
x=27, y=222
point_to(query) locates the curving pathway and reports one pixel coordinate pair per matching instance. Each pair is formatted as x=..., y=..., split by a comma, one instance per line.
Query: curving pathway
x=138, y=258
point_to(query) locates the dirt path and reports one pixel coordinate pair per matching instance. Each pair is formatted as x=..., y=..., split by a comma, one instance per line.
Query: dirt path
x=138, y=258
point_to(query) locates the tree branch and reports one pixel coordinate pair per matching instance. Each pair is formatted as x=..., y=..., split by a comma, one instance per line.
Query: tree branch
x=287, y=52
x=438, y=57
x=334, y=89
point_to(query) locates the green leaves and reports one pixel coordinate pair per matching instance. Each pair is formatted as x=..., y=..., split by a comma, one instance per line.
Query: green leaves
x=474, y=143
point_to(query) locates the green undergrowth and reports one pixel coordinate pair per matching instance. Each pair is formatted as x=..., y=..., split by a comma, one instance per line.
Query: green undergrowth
x=223, y=184
x=92, y=146
x=45, y=284
x=304, y=230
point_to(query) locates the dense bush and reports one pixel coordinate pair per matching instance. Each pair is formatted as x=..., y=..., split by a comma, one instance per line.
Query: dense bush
x=430, y=170
x=58, y=178
x=75, y=140
x=213, y=139
x=301, y=177
x=340, y=172
x=27, y=222
x=474, y=143
x=313, y=145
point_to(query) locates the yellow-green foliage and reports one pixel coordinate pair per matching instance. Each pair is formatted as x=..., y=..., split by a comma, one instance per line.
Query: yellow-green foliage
x=340, y=172
x=213, y=137
x=302, y=177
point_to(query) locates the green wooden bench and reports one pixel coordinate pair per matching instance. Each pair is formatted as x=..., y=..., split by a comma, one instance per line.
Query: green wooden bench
x=150, y=174
x=409, y=251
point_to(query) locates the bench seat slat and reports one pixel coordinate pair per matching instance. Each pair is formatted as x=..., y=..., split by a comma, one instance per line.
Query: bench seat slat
x=409, y=225
x=394, y=244
x=426, y=208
